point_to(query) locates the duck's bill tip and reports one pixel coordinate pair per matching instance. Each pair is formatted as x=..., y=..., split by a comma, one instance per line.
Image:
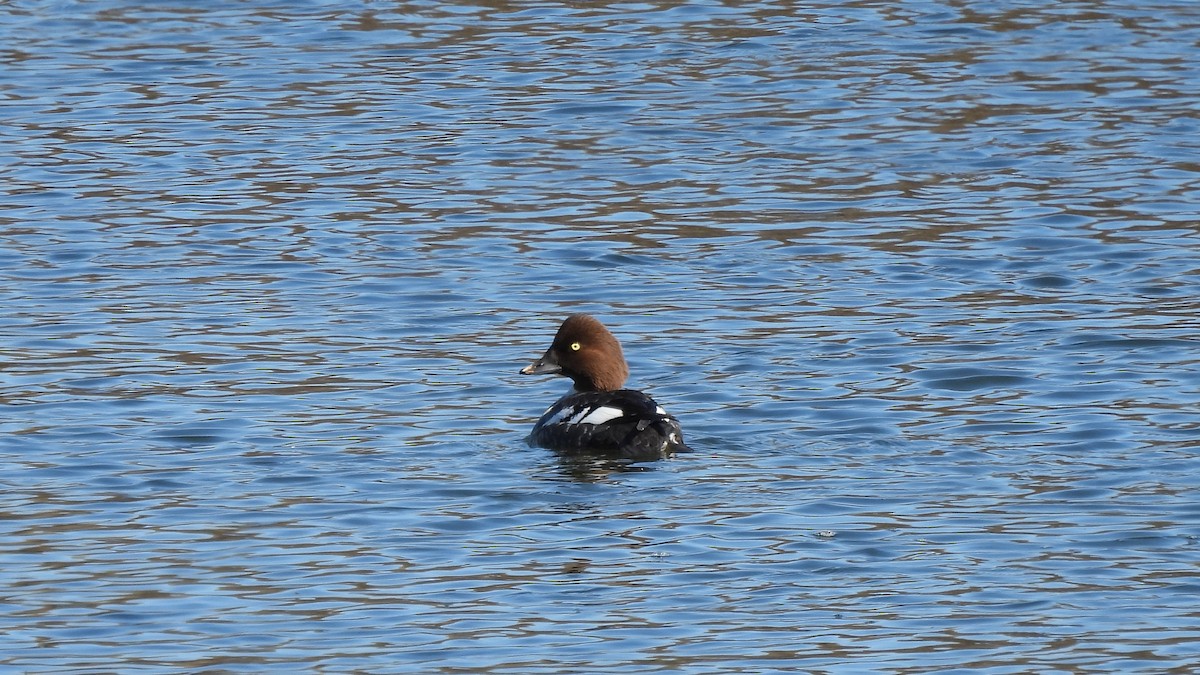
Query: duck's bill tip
x=540, y=367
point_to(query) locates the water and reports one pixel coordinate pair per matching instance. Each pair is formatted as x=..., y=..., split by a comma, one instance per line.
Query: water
x=920, y=280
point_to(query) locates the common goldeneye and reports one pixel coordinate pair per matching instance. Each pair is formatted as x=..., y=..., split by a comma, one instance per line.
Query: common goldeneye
x=597, y=415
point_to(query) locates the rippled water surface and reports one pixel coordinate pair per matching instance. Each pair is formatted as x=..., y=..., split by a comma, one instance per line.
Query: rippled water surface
x=920, y=279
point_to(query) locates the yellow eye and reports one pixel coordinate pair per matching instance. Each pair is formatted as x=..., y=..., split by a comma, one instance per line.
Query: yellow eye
x=574, y=346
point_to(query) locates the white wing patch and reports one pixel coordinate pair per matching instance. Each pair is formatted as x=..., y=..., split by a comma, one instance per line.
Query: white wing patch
x=583, y=415
x=598, y=416
x=558, y=416
x=659, y=410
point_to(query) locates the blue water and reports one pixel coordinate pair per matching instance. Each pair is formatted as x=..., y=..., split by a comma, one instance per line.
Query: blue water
x=919, y=279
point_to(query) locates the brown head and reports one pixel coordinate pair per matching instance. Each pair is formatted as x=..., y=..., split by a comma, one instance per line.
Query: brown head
x=586, y=352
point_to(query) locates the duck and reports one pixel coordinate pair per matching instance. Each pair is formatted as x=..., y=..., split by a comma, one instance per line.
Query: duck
x=597, y=415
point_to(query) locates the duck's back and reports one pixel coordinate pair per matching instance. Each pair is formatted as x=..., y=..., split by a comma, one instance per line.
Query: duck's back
x=624, y=423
